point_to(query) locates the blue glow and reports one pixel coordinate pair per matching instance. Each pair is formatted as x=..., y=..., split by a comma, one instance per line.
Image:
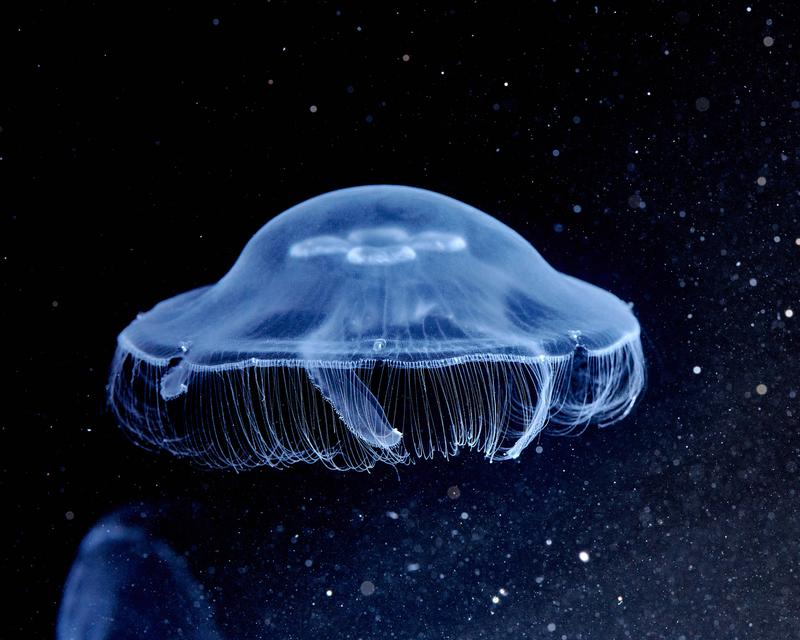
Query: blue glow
x=126, y=585
x=370, y=324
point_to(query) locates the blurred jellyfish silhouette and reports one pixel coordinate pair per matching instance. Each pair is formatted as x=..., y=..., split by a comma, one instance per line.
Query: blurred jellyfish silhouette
x=127, y=584
x=376, y=324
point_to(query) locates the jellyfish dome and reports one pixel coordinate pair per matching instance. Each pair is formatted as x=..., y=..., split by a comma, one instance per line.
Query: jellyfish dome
x=376, y=324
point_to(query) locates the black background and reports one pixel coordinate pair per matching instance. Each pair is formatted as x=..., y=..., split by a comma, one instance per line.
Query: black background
x=143, y=145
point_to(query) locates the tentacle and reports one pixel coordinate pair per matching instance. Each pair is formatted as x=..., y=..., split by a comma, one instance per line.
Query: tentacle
x=537, y=419
x=175, y=381
x=355, y=405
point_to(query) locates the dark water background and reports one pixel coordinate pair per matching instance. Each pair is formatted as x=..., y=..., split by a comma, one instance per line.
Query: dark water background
x=142, y=147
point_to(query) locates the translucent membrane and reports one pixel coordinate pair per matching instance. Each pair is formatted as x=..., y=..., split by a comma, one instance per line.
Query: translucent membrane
x=376, y=324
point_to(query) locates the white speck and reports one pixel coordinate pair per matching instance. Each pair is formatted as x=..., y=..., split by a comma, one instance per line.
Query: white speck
x=215, y=22
x=69, y=515
x=308, y=563
x=392, y=515
x=788, y=313
x=406, y=57
x=753, y=282
x=584, y=556
x=313, y=108
x=548, y=542
x=539, y=449
x=749, y=9
x=414, y=566
x=495, y=599
x=577, y=208
x=696, y=370
x=329, y=593
x=702, y=104
x=769, y=41
x=619, y=600
x=503, y=591
x=776, y=238
x=761, y=181
x=556, y=153
x=464, y=515
x=551, y=626
x=761, y=389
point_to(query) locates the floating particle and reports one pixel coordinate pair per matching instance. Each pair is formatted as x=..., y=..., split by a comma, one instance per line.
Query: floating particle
x=761, y=389
x=367, y=588
x=313, y=108
x=769, y=41
x=635, y=202
x=584, y=556
x=761, y=181
x=454, y=492
x=702, y=104
x=696, y=370
x=788, y=313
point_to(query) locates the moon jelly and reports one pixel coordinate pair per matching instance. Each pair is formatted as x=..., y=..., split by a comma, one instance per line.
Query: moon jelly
x=376, y=324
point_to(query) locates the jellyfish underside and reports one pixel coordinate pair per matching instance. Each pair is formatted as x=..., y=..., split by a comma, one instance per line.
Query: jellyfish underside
x=376, y=324
x=354, y=416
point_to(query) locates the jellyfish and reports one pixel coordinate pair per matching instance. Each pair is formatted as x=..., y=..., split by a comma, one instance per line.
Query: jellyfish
x=376, y=324
x=128, y=584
